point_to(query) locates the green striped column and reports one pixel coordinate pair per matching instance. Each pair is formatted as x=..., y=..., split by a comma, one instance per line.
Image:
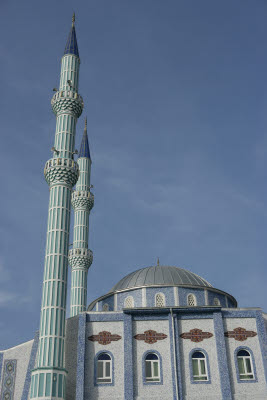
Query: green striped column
x=80, y=257
x=61, y=173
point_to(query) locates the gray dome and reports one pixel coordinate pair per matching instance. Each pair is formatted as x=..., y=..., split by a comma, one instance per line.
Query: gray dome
x=160, y=276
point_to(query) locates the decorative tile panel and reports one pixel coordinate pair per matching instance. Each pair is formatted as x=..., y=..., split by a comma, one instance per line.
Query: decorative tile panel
x=9, y=376
x=196, y=335
x=104, y=338
x=240, y=334
x=150, y=336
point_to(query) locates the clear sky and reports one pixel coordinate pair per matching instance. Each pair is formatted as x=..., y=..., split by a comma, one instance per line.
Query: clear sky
x=176, y=98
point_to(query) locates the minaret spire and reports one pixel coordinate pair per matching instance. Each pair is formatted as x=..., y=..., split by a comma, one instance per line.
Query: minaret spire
x=80, y=257
x=84, y=149
x=61, y=173
x=72, y=45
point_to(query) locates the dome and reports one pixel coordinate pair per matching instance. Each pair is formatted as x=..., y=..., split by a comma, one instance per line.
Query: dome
x=160, y=276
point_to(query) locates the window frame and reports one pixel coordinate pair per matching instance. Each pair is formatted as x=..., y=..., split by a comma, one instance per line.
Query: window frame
x=163, y=297
x=216, y=300
x=252, y=363
x=195, y=300
x=132, y=300
x=105, y=307
x=96, y=382
x=160, y=369
x=207, y=366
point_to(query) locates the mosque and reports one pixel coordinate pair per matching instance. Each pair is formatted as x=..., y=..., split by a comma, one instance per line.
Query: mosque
x=161, y=332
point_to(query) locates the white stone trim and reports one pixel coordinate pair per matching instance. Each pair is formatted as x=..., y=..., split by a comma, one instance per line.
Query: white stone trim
x=176, y=296
x=115, y=302
x=143, y=297
x=206, y=297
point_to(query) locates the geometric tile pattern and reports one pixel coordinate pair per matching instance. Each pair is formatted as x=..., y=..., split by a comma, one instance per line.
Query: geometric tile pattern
x=61, y=170
x=82, y=260
x=82, y=199
x=104, y=338
x=9, y=377
x=67, y=101
x=196, y=335
x=150, y=336
x=240, y=334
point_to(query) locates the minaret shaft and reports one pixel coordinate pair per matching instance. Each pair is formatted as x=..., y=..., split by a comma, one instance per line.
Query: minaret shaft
x=61, y=173
x=80, y=257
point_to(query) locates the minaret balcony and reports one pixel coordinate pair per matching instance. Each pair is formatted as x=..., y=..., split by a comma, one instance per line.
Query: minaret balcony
x=82, y=199
x=80, y=258
x=61, y=170
x=67, y=101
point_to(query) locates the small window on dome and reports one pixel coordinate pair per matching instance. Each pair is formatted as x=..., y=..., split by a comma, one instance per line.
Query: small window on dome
x=216, y=302
x=129, y=302
x=160, y=300
x=105, y=307
x=191, y=300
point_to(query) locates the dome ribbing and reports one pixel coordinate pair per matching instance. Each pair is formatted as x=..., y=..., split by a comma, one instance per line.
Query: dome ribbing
x=160, y=276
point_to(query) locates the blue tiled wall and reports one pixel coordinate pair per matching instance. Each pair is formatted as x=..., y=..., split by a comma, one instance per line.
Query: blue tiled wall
x=167, y=291
x=136, y=294
x=184, y=292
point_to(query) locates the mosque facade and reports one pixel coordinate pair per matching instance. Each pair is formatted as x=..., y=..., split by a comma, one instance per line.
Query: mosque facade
x=162, y=332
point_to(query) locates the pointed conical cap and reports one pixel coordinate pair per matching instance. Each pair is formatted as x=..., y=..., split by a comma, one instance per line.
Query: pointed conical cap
x=72, y=45
x=84, y=149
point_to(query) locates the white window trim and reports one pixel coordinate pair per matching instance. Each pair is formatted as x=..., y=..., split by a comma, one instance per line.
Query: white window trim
x=163, y=297
x=194, y=297
x=216, y=301
x=153, y=377
x=105, y=307
x=245, y=367
x=132, y=302
x=199, y=369
x=105, y=377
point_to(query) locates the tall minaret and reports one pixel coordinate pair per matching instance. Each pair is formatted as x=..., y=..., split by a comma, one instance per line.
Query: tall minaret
x=61, y=173
x=80, y=257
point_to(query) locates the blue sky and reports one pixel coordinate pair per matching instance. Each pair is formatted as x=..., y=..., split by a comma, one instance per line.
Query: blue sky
x=176, y=98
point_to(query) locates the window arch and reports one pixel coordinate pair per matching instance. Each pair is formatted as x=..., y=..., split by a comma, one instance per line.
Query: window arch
x=129, y=302
x=216, y=301
x=191, y=300
x=152, y=368
x=159, y=300
x=105, y=307
x=104, y=369
x=246, y=370
x=199, y=366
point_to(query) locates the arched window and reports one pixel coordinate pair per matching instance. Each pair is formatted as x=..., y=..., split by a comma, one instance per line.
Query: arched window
x=191, y=300
x=245, y=366
x=152, y=368
x=104, y=368
x=216, y=301
x=199, y=366
x=105, y=307
x=159, y=300
x=129, y=302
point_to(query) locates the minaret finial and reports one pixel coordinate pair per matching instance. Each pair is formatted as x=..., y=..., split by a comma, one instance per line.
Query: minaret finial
x=71, y=45
x=158, y=262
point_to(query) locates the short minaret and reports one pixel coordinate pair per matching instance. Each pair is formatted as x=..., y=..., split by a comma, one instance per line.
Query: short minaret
x=80, y=257
x=61, y=173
